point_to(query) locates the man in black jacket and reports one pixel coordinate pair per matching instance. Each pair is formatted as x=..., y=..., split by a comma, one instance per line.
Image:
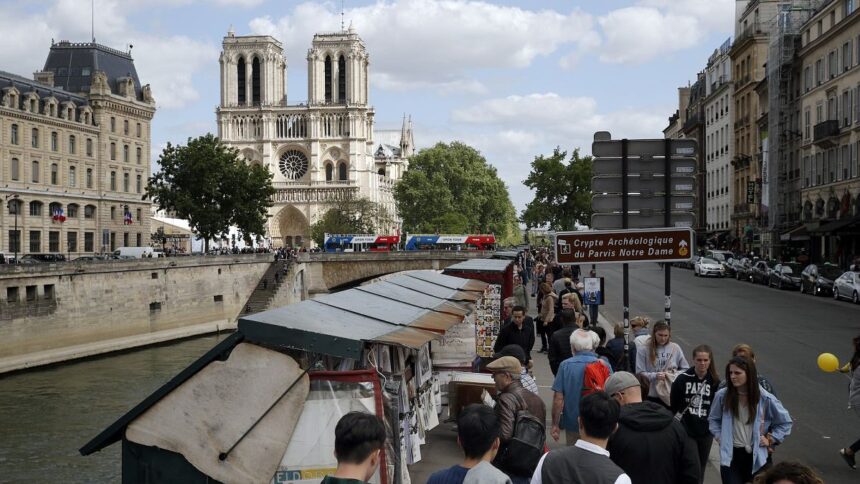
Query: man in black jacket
x=559, y=343
x=520, y=331
x=650, y=445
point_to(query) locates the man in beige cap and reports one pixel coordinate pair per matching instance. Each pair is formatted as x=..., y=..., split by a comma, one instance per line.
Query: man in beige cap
x=646, y=430
x=511, y=397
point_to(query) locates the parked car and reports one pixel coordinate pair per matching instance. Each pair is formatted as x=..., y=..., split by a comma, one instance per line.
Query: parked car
x=785, y=275
x=724, y=257
x=741, y=268
x=817, y=279
x=760, y=273
x=847, y=286
x=42, y=258
x=706, y=266
x=85, y=258
x=691, y=263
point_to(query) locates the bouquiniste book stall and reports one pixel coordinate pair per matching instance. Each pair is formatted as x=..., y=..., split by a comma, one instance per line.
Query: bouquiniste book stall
x=262, y=405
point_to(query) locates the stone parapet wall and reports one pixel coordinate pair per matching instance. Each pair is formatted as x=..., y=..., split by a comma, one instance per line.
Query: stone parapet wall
x=54, y=312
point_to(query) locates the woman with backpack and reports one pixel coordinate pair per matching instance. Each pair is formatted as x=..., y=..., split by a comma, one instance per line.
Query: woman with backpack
x=746, y=420
x=660, y=360
x=692, y=394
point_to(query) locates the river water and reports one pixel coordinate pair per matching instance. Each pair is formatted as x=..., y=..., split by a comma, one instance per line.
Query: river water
x=46, y=415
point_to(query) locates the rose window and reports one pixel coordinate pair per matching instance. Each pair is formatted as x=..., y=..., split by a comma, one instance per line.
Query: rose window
x=293, y=164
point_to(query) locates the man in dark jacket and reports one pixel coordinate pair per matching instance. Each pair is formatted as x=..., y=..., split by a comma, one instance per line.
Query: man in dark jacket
x=559, y=343
x=650, y=445
x=520, y=331
x=509, y=400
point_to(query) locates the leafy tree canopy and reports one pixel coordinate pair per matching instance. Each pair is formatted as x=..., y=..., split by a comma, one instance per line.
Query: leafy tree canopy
x=562, y=191
x=357, y=216
x=450, y=188
x=207, y=183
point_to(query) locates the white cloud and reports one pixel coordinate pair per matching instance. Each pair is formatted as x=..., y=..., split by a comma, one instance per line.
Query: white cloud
x=169, y=63
x=424, y=43
x=715, y=15
x=639, y=34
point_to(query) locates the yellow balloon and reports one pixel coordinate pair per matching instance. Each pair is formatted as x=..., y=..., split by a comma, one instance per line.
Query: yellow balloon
x=828, y=362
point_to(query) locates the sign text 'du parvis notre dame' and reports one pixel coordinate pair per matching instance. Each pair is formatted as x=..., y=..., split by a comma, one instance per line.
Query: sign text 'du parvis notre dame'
x=651, y=245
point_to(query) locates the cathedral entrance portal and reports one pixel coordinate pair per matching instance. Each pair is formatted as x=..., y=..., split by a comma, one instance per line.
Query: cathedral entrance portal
x=292, y=227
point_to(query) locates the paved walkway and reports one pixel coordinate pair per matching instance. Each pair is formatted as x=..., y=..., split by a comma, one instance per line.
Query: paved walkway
x=441, y=450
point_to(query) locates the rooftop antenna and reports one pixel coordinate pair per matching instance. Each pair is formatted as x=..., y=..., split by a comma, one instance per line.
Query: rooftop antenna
x=93, y=20
x=342, y=26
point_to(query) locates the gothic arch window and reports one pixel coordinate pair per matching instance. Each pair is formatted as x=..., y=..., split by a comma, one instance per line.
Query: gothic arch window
x=255, y=81
x=381, y=172
x=293, y=164
x=341, y=171
x=328, y=79
x=341, y=79
x=329, y=172
x=240, y=76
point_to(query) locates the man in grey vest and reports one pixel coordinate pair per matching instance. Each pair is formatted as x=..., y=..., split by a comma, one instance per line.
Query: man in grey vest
x=587, y=461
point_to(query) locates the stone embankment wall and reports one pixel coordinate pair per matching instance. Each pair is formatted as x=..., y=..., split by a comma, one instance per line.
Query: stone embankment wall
x=56, y=312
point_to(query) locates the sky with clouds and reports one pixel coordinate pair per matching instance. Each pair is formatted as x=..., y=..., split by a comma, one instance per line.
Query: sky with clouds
x=513, y=78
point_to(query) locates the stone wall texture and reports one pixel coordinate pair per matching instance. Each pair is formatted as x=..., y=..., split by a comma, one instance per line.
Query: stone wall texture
x=55, y=312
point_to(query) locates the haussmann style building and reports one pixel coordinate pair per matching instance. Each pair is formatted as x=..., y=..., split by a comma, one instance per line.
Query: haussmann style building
x=74, y=154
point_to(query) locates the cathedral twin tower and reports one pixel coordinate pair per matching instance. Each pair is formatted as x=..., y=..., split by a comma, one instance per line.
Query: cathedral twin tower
x=321, y=152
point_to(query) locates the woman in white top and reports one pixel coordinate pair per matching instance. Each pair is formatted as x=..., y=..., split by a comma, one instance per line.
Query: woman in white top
x=659, y=360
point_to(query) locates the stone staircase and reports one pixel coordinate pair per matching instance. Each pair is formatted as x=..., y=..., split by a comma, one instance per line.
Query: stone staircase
x=268, y=286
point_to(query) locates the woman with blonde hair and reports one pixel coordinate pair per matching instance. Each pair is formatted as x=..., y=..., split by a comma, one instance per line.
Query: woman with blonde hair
x=660, y=360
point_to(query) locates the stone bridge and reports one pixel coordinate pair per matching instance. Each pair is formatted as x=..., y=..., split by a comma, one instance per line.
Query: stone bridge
x=326, y=272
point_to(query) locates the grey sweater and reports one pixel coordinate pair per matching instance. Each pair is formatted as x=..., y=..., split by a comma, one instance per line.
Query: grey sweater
x=486, y=473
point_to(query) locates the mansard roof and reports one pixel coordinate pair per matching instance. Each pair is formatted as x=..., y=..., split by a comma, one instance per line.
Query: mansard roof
x=73, y=65
x=25, y=85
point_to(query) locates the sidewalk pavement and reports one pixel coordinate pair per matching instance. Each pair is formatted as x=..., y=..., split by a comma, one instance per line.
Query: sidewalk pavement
x=441, y=450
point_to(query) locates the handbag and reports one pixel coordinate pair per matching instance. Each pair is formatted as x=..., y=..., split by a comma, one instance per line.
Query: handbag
x=664, y=387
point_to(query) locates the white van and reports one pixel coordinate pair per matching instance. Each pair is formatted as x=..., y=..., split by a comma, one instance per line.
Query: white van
x=134, y=253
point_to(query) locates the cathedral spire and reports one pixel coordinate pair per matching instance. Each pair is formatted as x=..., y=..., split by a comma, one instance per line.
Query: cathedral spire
x=404, y=136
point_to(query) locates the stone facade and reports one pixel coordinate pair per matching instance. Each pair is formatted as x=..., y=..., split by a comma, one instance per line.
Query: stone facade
x=830, y=107
x=321, y=151
x=74, y=154
x=719, y=139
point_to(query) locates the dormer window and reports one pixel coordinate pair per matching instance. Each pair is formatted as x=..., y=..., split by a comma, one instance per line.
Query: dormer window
x=33, y=106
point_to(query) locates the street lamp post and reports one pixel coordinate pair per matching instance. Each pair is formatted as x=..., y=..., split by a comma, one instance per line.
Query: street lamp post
x=14, y=197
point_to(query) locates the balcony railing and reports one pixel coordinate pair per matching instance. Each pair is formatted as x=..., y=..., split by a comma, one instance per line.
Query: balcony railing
x=825, y=132
x=317, y=194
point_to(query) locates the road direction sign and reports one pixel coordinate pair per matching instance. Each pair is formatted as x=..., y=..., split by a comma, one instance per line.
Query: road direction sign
x=652, y=245
x=644, y=147
x=650, y=183
x=612, y=166
x=608, y=221
x=612, y=203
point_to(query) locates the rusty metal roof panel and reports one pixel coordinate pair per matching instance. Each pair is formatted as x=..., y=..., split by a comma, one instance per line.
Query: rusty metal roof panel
x=389, y=310
x=482, y=265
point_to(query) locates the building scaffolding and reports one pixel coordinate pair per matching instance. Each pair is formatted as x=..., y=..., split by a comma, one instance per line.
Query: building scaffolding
x=781, y=143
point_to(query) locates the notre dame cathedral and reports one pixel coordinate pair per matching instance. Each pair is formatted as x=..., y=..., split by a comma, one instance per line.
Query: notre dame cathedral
x=321, y=151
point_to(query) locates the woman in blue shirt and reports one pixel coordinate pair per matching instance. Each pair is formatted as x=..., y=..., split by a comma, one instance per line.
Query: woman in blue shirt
x=746, y=420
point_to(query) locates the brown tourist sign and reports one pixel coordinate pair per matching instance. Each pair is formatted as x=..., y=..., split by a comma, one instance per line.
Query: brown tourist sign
x=607, y=246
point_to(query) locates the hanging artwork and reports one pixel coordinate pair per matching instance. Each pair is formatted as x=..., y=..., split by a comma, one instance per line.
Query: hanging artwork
x=487, y=320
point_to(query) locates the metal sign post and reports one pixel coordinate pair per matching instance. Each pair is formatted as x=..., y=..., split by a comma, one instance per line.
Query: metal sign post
x=642, y=184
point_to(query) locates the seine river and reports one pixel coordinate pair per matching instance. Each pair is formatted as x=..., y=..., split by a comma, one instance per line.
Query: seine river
x=47, y=415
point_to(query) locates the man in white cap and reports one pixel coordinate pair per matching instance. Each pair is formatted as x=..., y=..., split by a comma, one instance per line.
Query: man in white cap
x=650, y=445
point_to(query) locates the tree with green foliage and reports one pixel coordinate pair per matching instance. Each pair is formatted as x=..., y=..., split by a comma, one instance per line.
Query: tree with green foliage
x=562, y=191
x=356, y=216
x=207, y=183
x=451, y=188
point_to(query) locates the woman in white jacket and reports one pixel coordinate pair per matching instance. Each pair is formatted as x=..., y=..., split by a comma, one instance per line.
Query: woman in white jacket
x=853, y=401
x=660, y=360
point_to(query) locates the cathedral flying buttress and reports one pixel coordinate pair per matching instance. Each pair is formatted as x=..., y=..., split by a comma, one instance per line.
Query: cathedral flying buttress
x=320, y=152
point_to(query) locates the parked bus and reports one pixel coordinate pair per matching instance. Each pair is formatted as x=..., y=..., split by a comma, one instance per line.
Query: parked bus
x=360, y=243
x=450, y=242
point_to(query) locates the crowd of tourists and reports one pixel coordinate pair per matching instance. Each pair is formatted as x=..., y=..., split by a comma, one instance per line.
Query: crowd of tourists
x=646, y=415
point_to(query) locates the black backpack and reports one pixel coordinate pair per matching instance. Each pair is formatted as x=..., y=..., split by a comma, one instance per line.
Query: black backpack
x=521, y=454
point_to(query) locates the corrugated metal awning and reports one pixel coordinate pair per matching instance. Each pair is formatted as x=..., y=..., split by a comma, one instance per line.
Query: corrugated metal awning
x=482, y=265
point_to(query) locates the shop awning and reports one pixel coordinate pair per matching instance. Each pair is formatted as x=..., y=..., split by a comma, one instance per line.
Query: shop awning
x=839, y=225
x=798, y=233
x=482, y=265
